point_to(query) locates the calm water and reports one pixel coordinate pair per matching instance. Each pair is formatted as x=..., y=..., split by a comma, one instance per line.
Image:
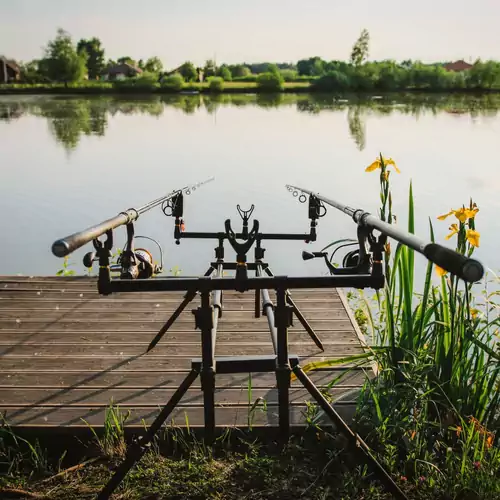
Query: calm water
x=68, y=163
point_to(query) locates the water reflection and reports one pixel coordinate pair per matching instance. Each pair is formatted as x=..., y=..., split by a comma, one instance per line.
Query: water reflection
x=71, y=118
x=357, y=126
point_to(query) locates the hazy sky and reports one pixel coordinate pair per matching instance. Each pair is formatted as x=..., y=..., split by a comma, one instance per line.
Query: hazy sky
x=257, y=30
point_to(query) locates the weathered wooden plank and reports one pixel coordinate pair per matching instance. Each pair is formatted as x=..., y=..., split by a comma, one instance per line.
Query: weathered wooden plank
x=13, y=337
x=95, y=305
x=151, y=396
x=84, y=282
x=65, y=352
x=153, y=313
x=161, y=379
x=172, y=349
x=225, y=416
x=67, y=324
x=125, y=363
x=244, y=301
x=90, y=287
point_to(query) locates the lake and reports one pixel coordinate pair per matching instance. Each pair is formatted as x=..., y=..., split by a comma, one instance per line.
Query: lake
x=68, y=163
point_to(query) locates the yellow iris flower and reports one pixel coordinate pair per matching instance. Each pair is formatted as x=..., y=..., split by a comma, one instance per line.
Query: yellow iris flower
x=440, y=271
x=472, y=237
x=474, y=312
x=454, y=230
x=462, y=214
x=378, y=164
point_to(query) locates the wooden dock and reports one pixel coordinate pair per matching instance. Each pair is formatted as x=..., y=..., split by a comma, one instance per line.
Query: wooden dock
x=66, y=353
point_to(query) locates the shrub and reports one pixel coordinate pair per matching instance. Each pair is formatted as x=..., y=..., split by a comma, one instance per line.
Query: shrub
x=289, y=75
x=331, y=82
x=216, y=84
x=224, y=73
x=147, y=81
x=391, y=77
x=247, y=78
x=173, y=82
x=270, y=82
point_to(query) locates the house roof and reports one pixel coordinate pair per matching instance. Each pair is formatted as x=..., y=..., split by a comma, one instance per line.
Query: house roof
x=459, y=65
x=11, y=63
x=122, y=68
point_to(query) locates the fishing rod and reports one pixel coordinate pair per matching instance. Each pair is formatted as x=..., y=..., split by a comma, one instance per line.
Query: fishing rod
x=464, y=267
x=133, y=262
x=67, y=245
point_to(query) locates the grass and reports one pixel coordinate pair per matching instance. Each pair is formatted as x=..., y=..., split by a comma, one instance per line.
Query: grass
x=203, y=87
x=178, y=465
x=110, y=88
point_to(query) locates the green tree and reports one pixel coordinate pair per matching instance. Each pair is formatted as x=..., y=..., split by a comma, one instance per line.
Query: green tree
x=152, y=65
x=126, y=60
x=360, y=49
x=225, y=73
x=289, y=75
x=62, y=62
x=31, y=73
x=240, y=71
x=484, y=74
x=210, y=69
x=305, y=67
x=331, y=82
x=391, y=77
x=188, y=72
x=270, y=82
x=314, y=66
x=95, y=56
x=272, y=68
x=318, y=68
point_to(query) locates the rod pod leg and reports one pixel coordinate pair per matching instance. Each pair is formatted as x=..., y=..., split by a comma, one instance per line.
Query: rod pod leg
x=204, y=321
x=356, y=442
x=283, y=372
x=139, y=448
x=308, y=328
x=187, y=299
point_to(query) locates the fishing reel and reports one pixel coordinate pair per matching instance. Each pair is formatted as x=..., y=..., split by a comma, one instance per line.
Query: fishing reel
x=357, y=261
x=132, y=263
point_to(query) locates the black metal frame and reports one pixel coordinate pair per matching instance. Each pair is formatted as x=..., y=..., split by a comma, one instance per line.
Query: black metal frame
x=367, y=273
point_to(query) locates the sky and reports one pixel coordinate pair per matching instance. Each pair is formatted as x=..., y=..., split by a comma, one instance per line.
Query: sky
x=259, y=30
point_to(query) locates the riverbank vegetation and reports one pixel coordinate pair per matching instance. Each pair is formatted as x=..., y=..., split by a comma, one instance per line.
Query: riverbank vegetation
x=431, y=415
x=82, y=67
x=436, y=400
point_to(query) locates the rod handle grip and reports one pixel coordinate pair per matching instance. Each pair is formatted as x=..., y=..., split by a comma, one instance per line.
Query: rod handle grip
x=65, y=246
x=465, y=268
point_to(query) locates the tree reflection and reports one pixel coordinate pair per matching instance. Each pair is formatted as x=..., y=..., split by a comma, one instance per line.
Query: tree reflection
x=71, y=118
x=357, y=126
x=11, y=110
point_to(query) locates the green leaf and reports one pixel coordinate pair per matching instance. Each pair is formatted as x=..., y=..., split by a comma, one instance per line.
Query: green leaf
x=317, y=365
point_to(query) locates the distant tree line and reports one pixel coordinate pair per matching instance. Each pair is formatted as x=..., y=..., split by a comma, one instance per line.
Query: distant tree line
x=67, y=62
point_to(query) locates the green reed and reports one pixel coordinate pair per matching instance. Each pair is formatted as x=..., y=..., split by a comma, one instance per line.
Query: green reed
x=435, y=403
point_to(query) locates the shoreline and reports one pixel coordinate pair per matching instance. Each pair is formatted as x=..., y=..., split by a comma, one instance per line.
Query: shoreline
x=239, y=88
